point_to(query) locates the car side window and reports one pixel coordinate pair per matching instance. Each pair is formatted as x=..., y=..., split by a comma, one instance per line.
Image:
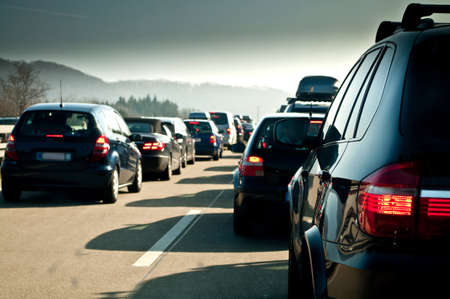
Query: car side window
x=334, y=108
x=111, y=122
x=350, y=96
x=375, y=92
x=123, y=126
x=351, y=126
x=167, y=132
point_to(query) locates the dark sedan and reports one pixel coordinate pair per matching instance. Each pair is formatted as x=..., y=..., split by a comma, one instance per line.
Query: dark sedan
x=161, y=154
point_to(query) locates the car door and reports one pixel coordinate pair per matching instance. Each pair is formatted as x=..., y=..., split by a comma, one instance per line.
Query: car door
x=316, y=175
x=132, y=152
x=175, y=147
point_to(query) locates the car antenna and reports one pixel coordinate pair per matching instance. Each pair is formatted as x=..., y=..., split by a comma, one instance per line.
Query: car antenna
x=60, y=94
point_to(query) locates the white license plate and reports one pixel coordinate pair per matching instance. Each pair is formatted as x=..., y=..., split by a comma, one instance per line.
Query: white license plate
x=55, y=156
x=197, y=139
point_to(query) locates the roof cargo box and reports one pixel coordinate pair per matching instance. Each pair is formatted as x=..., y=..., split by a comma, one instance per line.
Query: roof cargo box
x=317, y=88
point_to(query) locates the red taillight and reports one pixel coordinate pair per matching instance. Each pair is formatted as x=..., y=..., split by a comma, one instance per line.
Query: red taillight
x=250, y=133
x=228, y=131
x=252, y=166
x=212, y=139
x=194, y=122
x=434, y=215
x=54, y=136
x=10, y=151
x=315, y=122
x=101, y=149
x=154, y=146
x=386, y=201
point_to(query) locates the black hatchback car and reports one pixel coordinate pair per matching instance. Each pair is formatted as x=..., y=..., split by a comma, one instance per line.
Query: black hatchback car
x=74, y=146
x=370, y=208
x=268, y=164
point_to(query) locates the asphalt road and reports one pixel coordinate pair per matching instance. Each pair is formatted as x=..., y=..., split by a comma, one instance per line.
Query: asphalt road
x=174, y=239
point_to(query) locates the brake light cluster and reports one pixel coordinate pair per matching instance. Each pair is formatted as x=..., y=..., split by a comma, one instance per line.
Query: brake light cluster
x=101, y=149
x=212, y=139
x=10, y=151
x=389, y=201
x=252, y=166
x=153, y=146
x=228, y=131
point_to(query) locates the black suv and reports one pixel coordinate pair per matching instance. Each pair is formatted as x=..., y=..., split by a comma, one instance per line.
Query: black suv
x=75, y=146
x=370, y=208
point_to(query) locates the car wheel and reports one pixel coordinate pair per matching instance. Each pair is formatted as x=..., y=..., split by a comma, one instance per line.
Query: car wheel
x=167, y=173
x=192, y=161
x=137, y=182
x=10, y=193
x=299, y=275
x=240, y=221
x=216, y=156
x=178, y=170
x=184, y=160
x=112, y=190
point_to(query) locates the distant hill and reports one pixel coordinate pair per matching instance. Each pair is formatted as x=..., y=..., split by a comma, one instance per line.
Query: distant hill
x=78, y=86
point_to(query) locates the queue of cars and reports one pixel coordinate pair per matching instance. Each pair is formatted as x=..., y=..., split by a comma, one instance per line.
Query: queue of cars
x=91, y=147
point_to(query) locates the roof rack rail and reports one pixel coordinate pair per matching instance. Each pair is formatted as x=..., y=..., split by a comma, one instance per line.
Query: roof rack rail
x=415, y=11
x=412, y=19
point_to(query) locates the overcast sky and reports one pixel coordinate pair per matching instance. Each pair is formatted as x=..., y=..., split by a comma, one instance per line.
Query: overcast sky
x=270, y=43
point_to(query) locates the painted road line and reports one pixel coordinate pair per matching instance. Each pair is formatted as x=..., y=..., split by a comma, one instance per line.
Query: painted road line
x=156, y=250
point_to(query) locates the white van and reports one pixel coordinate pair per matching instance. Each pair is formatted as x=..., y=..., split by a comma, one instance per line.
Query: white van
x=225, y=124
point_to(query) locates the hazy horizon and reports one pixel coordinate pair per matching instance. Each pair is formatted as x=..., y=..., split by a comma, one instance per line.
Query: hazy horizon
x=240, y=43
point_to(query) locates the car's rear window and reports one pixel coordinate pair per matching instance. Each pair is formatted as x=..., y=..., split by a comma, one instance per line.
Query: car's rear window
x=57, y=123
x=304, y=108
x=219, y=118
x=197, y=127
x=140, y=127
x=199, y=115
x=426, y=103
x=264, y=138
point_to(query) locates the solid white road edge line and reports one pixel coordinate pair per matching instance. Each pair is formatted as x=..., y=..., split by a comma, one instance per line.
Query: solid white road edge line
x=156, y=250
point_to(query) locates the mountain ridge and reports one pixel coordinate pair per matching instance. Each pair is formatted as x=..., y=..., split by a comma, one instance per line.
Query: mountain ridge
x=80, y=86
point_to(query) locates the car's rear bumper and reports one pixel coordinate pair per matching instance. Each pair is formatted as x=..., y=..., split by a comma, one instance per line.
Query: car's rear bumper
x=154, y=163
x=405, y=277
x=207, y=150
x=95, y=177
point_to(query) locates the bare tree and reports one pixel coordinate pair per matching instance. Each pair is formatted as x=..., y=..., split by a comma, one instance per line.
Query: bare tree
x=21, y=89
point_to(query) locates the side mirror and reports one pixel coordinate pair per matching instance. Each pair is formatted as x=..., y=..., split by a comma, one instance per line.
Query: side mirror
x=135, y=137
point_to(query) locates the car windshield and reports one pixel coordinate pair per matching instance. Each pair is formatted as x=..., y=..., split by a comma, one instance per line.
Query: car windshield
x=140, y=127
x=196, y=127
x=58, y=123
x=425, y=101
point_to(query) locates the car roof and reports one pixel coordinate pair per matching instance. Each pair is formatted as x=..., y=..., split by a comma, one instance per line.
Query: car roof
x=199, y=120
x=81, y=107
x=293, y=115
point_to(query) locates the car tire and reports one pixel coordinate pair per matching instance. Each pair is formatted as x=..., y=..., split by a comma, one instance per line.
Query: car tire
x=137, y=182
x=167, y=173
x=184, y=160
x=192, y=161
x=178, y=170
x=10, y=193
x=112, y=190
x=299, y=276
x=240, y=221
x=216, y=156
